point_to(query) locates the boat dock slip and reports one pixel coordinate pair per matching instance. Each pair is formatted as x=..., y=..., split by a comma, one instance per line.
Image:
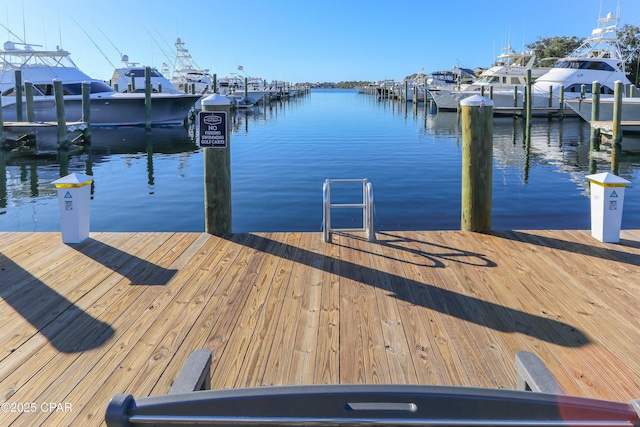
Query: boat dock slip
x=120, y=313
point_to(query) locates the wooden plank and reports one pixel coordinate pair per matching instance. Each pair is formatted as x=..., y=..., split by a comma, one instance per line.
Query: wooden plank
x=308, y=280
x=360, y=286
x=115, y=366
x=327, y=361
x=128, y=296
x=238, y=351
x=430, y=307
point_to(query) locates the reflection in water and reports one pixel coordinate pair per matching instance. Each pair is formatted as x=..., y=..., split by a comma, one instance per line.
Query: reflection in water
x=46, y=162
x=282, y=153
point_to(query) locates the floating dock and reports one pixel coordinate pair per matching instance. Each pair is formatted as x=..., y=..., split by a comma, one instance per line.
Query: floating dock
x=120, y=313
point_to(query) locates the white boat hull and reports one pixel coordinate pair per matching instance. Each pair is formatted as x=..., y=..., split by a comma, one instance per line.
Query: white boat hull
x=630, y=112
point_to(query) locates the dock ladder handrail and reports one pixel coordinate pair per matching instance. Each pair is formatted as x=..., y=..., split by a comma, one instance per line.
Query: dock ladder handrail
x=366, y=205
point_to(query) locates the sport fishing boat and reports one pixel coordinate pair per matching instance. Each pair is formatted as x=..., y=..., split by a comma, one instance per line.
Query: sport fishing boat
x=108, y=107
x=598, y=58
x=131, y=78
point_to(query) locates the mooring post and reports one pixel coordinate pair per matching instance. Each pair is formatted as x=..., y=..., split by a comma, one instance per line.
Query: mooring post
x=529, y=97
x=477, y=163
x=595, y=116
x=86, y=110
x=18, y=80
x=616, y=128
x=147, y=96
x=62, y=122
x=213, y=136
x=28, y=95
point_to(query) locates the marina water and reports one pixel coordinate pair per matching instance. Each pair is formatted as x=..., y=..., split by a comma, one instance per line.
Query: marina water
x=281, y=154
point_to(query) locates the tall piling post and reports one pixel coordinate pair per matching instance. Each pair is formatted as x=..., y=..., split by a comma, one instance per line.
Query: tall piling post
x=595, y=116
x=60, y=115
x=477, y=163
x=18, y=81
x=616, y=142
x=213, y=135
x=86, y=110
x=147, y=96
x=28, y=96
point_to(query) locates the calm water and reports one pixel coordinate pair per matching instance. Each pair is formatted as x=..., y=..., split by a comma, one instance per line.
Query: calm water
x=282, y=154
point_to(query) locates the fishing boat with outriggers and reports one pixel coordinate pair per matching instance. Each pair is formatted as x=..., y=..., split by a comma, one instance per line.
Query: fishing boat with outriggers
x=598, y=58
x=108, y=107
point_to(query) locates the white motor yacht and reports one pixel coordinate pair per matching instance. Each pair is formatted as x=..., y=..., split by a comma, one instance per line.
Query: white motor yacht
x=629, y=112
x=598, y=58
x=131, y=77
x=509, y=70
x=108, y=108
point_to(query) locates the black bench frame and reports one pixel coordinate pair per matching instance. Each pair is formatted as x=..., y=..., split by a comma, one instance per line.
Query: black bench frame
x=539, y=400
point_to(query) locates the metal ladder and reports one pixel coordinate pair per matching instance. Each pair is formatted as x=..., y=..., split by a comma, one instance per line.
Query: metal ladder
x=366, y=205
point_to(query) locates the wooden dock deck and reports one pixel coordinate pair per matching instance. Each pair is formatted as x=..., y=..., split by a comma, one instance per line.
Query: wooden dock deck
x=120, y=312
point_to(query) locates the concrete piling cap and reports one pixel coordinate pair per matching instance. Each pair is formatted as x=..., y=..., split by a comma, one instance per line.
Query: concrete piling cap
x=216, y=99
x=476, y=101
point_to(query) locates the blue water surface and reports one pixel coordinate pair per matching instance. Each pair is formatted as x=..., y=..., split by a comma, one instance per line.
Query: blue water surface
x=282, y=153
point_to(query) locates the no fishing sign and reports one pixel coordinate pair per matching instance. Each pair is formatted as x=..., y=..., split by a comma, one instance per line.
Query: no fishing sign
x=212, y=129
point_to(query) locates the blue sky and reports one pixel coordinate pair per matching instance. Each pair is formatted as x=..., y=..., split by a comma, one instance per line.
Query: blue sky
x=301, y=40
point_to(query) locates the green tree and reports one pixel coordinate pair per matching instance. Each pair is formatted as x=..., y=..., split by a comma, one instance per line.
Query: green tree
x=554, y=47
x=629, y=36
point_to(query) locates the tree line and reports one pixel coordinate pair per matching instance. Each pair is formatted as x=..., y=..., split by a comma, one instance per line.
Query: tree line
x=549, y=48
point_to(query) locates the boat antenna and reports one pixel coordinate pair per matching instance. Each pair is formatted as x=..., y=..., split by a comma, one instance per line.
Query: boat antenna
x=109, y=40
x=94, y=43
x=12, y=33
x=59, y=28
x=24, y=27
x=168, y=58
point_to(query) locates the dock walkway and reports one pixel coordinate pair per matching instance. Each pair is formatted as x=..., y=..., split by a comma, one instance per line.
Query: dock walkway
x=120, y=312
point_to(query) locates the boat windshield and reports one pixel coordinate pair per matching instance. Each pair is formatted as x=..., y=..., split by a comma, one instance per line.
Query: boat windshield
x=76, y=88
x=586, y=65
x=67, y=89
x=139, y=72
x=578, y=87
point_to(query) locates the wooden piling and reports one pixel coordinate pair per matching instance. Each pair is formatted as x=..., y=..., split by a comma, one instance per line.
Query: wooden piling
x=147, y=96
x=18, y=81
x=28, y=94
x=62, y=122
x=86, y=110
x=595, y=116
x=217, y=173
x=616, y=142
x=477, y=163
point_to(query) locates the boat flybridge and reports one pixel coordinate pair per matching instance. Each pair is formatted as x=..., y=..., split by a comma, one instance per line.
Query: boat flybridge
x=598, y=58
x=108, y=108
x=509, y=70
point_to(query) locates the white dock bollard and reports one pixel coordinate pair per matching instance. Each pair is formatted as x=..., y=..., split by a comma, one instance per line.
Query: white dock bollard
x=607, y=200
x=74, y=193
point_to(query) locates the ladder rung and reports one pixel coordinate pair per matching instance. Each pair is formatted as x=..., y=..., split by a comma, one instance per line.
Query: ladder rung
x=348, y=205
